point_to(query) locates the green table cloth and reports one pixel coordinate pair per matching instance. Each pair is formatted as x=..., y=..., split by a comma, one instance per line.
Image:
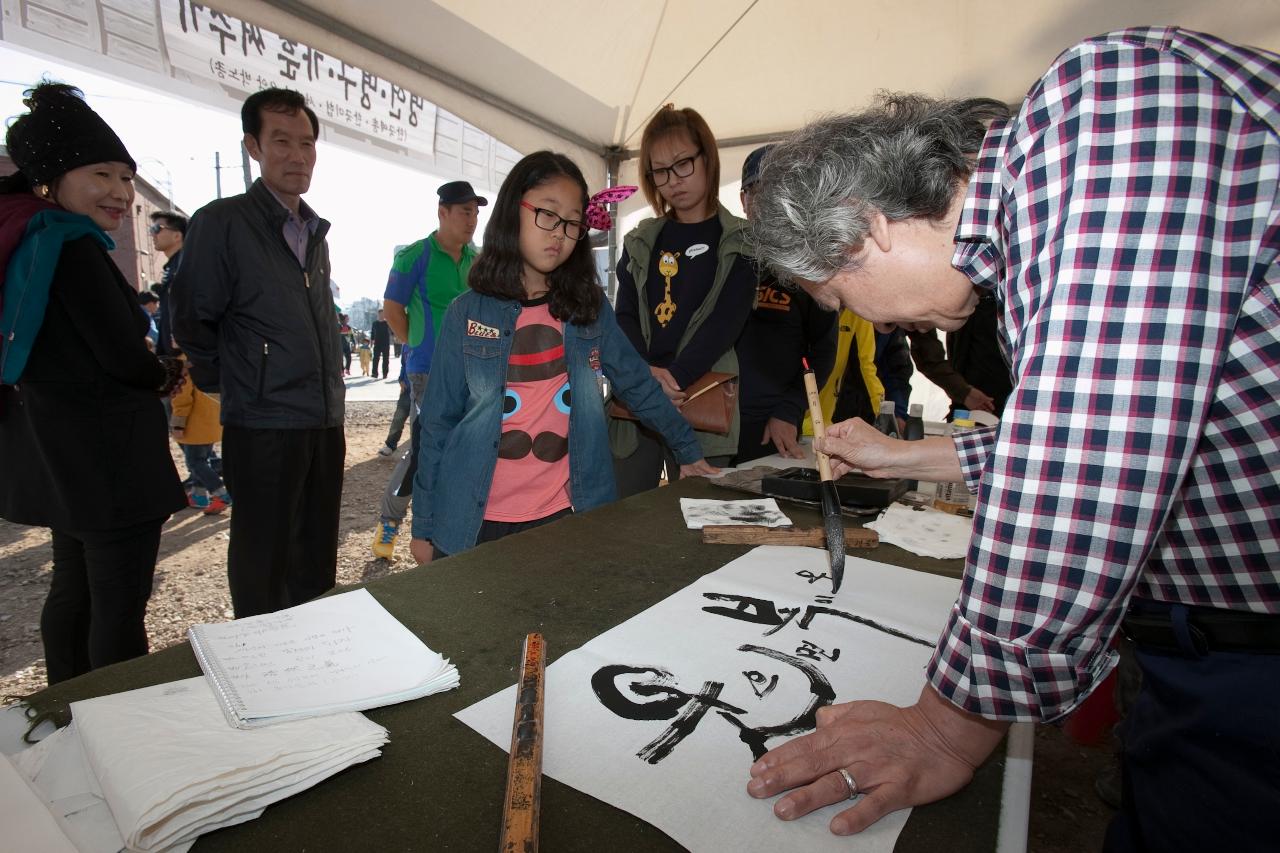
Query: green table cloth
x=439, y=785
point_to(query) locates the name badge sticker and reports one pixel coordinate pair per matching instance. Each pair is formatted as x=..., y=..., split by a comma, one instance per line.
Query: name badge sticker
x=480, y=330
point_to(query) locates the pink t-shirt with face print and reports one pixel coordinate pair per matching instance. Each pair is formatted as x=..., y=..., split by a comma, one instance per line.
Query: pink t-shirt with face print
x=531, y=480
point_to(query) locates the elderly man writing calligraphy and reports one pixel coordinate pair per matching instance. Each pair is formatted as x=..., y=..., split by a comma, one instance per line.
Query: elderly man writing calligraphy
x=1126, y=221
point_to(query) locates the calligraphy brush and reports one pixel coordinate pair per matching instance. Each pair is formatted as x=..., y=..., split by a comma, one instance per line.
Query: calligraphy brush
x=831, y=515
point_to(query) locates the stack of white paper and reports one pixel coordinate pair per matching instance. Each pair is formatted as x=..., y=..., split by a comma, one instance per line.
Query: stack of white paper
x=164, y=762
x=340, y=653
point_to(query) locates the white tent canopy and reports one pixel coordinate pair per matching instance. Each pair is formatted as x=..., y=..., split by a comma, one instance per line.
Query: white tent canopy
x=583, y=76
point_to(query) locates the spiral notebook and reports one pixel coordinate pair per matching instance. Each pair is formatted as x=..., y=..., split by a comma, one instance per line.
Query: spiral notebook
x=341, y=653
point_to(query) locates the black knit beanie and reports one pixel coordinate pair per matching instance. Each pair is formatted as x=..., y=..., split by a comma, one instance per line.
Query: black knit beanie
x=60, y=133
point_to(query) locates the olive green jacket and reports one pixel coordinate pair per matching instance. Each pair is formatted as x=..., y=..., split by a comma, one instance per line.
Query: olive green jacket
x=639, y=245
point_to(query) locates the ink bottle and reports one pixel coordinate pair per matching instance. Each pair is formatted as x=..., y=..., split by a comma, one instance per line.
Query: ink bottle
x=887, y=421
x=914, y=431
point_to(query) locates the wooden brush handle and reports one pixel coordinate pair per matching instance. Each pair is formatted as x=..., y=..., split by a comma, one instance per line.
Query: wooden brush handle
x=520, y=810
x=816, y=537
x=819, y=426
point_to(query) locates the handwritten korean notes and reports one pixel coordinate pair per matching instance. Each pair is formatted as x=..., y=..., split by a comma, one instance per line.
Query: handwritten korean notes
x=663, y=715
x=340, y=653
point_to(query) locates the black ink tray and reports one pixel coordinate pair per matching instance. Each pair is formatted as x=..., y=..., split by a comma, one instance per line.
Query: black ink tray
x=853, y=489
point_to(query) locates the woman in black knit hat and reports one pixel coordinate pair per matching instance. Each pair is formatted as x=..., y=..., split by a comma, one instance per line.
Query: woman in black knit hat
x=83, y=441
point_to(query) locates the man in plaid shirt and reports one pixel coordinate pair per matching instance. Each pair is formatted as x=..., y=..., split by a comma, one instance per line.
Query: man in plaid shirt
x=1126, y=219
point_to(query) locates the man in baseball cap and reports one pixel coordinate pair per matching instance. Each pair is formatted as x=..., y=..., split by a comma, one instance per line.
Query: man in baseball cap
x=425, y=277
x=460, y=192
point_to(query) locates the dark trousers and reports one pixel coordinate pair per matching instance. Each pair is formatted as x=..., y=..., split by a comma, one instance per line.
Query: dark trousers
x=98, y=598
x=197, y=458
x=1201, y=757
x=641, y=471
x=401, y=414
x=492, y=531
x=287, y=485
x=382, y=353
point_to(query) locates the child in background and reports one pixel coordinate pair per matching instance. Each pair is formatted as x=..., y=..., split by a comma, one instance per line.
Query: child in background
x=366, y=356
x=514, y=433
x=196, y=425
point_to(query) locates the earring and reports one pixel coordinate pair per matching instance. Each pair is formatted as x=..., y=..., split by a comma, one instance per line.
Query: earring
x=43, y=189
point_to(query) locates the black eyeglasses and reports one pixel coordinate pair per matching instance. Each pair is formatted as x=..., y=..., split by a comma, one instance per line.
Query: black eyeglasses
x=156, y=227
x=549, y=220
x=682, y=168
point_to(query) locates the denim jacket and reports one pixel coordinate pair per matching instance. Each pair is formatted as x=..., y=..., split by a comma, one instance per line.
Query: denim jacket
x=461, y=420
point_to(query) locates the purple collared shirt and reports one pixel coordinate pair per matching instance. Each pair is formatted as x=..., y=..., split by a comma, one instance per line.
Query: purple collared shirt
x=299, y=227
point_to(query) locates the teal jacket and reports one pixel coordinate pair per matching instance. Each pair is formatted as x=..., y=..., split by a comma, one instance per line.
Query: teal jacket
x=27, y=277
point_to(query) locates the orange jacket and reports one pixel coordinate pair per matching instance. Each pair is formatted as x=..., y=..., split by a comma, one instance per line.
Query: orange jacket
x=198, y=414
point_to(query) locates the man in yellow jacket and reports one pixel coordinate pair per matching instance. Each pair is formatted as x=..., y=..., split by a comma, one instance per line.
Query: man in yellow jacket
x=857, y=341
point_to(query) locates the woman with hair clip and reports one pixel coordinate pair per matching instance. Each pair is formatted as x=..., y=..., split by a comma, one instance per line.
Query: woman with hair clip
x=685, y=288
x=513, y=430
x=84, y=446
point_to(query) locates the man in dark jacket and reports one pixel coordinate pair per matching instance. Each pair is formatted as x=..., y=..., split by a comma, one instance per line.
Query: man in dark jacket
x=168, y=230
x=785, y=326
x=381, y=334
x=253, y=312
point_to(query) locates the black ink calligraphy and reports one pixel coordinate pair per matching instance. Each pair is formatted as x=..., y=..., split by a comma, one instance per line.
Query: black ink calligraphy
x=689, y=709
x=761, y=611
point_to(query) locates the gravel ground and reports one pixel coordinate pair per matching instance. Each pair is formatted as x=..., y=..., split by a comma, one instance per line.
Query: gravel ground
x=191, y=588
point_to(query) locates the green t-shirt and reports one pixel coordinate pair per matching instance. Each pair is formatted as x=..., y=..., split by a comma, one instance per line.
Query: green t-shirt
x=424, y=267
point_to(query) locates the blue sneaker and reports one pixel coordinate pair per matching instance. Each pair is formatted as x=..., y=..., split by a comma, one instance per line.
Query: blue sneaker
x=198, y=499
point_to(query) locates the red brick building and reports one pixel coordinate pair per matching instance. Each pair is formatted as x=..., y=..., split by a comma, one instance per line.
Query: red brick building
x=141, y=264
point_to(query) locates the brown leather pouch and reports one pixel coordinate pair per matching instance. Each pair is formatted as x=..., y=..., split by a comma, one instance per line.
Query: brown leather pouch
x=708, y=404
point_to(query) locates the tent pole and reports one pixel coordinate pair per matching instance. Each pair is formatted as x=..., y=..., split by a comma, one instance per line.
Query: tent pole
x=613, y=162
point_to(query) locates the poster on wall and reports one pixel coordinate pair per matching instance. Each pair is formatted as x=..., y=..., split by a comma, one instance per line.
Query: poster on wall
x=663, y=715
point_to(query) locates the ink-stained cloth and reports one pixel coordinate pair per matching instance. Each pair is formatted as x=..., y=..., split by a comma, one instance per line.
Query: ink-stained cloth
x=1126, y=219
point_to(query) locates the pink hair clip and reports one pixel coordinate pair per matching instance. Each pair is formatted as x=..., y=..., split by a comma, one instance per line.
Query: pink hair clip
x=597, y=217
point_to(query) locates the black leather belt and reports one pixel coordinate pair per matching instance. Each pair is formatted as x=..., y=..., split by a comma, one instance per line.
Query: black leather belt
x=1211, y=630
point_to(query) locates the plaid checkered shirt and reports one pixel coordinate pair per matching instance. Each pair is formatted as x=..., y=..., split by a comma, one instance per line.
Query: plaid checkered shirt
x=1127, y=219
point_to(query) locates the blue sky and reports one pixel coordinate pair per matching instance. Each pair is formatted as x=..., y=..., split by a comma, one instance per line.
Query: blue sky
x=374, y=204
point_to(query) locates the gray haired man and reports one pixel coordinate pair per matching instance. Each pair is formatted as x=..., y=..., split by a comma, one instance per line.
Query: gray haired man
x=1125, y=220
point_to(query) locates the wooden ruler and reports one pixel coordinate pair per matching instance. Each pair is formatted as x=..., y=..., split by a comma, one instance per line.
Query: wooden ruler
x=523, y=802
x=750, y=534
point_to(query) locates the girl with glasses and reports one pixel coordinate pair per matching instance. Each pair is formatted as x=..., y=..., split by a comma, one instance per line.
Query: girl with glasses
x=685, y=288
x=513, y=429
